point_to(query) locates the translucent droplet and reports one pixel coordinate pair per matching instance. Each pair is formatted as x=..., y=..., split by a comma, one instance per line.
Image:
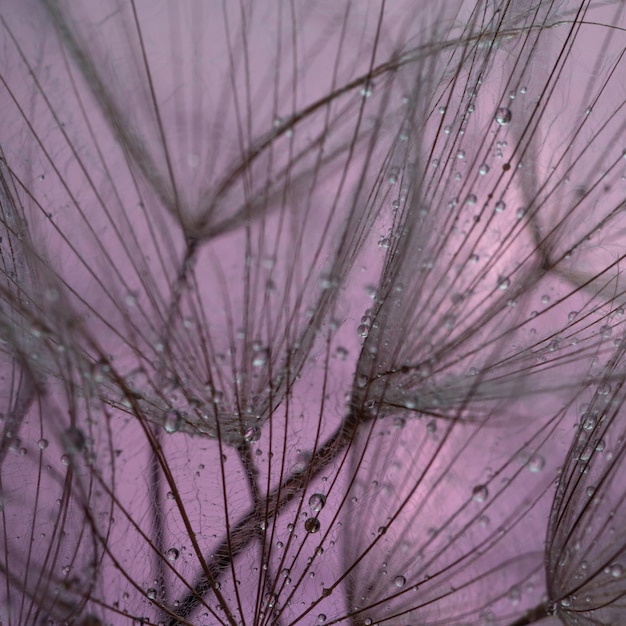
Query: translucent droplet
x=370, y=291
x=172, y=421
x=151, y=593
x=504, y=283
x=503, y=116
x=480, y=493
x=43, y=444
x=471, y=199
x=363, y=330
x=399, y=581
x=172, y=554
x=342, y=353
x=321, y=618
x=500, y=206
x=260, y=356
x=270, y=600
x=317, y=502
x=483, y=169
x=312, y=525
x=367, y=90
x=515, y=594
x=252, y=434
x=536, y=463
x=616, y=570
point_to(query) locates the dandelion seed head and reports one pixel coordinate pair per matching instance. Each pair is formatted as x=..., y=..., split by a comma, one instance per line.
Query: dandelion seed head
x=311, y=312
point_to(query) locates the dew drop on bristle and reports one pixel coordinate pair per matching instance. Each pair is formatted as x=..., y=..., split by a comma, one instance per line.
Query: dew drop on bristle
x=312, y=525
x=172, y=421
x=503, y=116
x=399, y=581
x=536, y=463
x=317, y=502
x=480, y=493
x=252, y=434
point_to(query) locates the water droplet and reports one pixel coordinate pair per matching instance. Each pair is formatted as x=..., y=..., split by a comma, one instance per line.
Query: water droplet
x=43, y=444
x=321, y=618
x=483, y=169
x=317, y=502
x=172, y=421
x=399, y=422
x=503, y=116
x=500, y=206
x=616, y=570
x=172, y=554
x=252, y=434
x=370, y=291
x=399, y=581
x=151, y=593
x=536, y=463
x=260, y=355
x=342, y=353
x=480, y=493
x=504, y=283
x=367, y=90
x=312, y=525
x=270, y=600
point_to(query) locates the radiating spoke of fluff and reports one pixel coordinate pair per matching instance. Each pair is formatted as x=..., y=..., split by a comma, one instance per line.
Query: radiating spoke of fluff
x=154, y=192
x=586, y=547
x=299, y=305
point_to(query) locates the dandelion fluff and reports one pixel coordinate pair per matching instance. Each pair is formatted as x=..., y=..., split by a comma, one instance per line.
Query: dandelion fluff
x=300, y=306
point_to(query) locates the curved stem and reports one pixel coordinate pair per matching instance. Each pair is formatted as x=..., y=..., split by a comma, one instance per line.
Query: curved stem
x=245, y=530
